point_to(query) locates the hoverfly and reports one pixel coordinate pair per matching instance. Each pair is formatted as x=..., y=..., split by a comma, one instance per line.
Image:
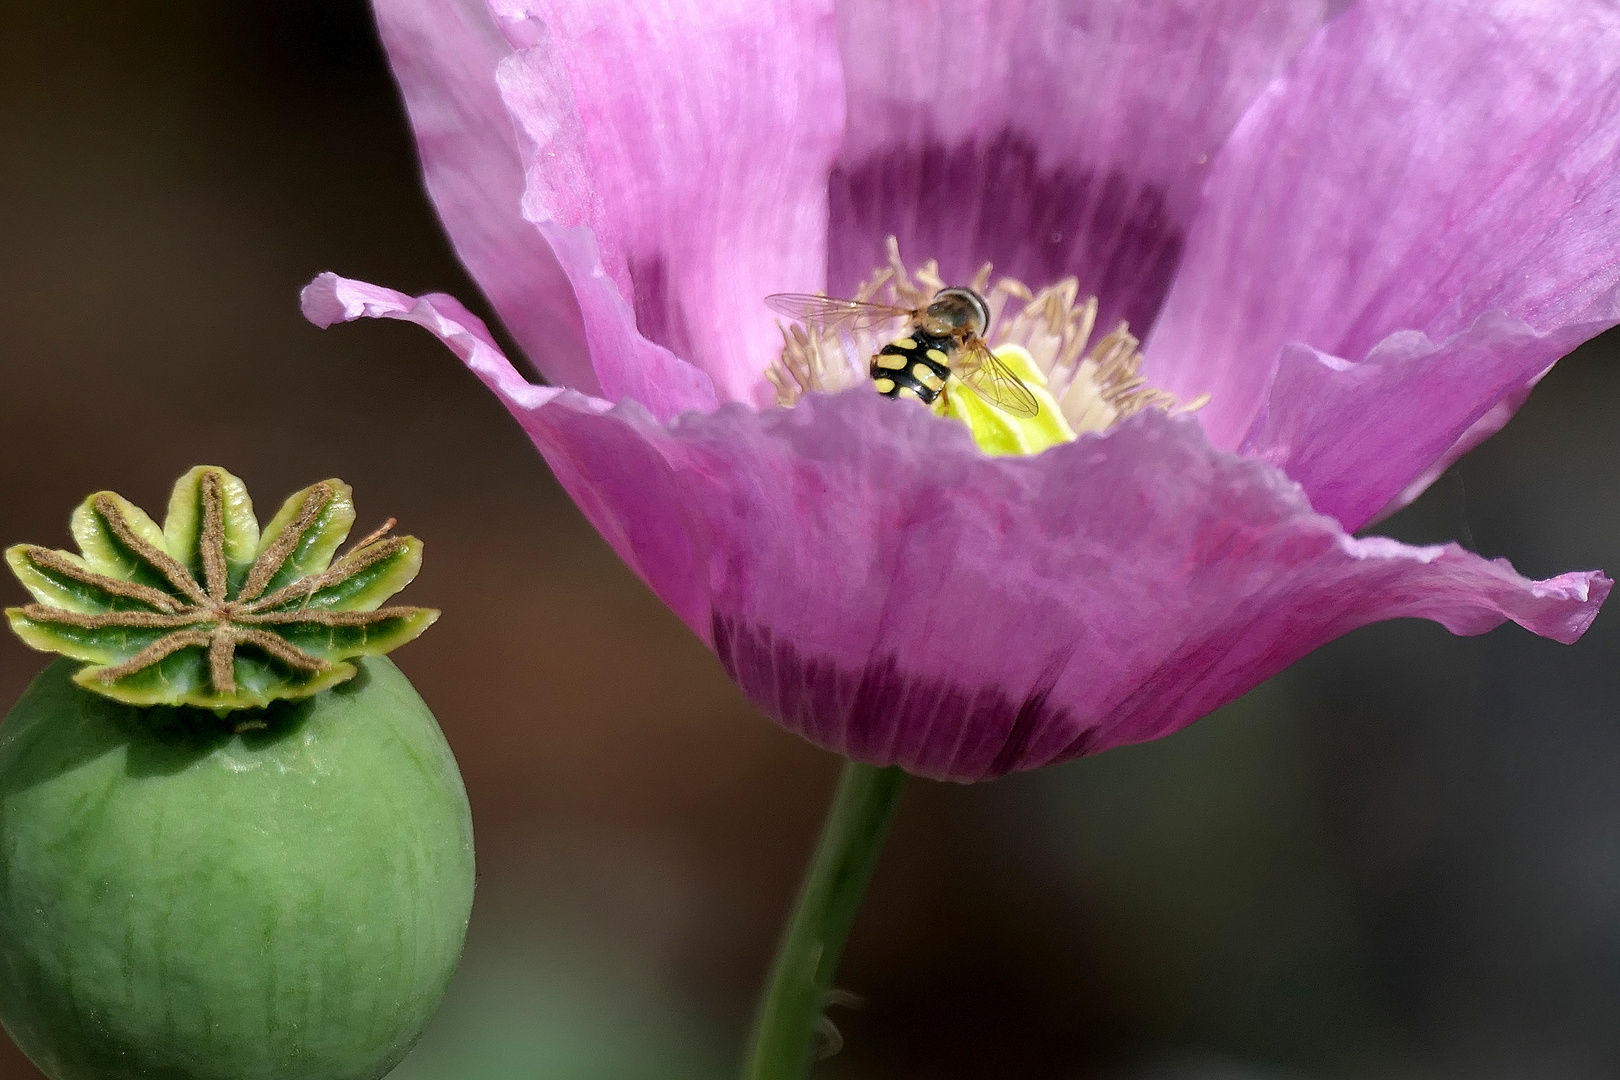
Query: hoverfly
x=943, y=338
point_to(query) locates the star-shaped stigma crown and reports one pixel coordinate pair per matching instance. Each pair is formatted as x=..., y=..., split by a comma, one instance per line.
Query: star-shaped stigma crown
x=208, y=611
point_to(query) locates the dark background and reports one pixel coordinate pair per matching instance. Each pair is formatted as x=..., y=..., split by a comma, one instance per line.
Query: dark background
x=1400, y=859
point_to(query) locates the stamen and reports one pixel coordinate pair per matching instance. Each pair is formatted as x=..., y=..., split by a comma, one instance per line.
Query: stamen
x=814, y=360
x=1095, y=381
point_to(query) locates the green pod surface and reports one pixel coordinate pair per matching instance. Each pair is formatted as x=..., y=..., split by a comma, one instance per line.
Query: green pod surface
x=184, y=901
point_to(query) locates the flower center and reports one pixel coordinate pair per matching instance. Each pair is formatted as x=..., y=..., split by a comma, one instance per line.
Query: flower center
x=1083, y=382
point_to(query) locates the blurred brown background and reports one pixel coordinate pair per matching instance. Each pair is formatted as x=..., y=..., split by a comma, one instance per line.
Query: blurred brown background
x=1399, y=859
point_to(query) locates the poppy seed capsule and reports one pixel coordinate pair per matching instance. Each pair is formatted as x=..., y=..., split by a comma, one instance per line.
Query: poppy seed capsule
x=276, y=890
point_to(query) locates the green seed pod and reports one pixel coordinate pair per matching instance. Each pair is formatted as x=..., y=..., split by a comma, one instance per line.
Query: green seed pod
x=236, y=846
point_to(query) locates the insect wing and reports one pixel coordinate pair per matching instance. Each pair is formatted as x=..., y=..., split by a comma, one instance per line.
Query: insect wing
x=985, y=375
x=829, y=312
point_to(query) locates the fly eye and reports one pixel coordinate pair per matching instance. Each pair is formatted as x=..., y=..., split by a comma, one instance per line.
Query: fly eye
x=981, y=311
x=967, y=308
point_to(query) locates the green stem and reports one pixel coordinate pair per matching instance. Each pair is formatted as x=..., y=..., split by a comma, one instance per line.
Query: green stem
x=857, y=823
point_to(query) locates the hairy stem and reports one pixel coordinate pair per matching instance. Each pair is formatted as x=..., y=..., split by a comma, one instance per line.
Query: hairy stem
x=790, y=1008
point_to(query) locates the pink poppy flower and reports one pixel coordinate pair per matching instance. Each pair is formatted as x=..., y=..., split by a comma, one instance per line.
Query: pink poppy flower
x=1358, y=236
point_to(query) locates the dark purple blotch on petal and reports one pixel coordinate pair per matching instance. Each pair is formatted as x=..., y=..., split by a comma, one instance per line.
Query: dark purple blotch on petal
x=660, y=316
x=883, y=715
x=995, y=201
